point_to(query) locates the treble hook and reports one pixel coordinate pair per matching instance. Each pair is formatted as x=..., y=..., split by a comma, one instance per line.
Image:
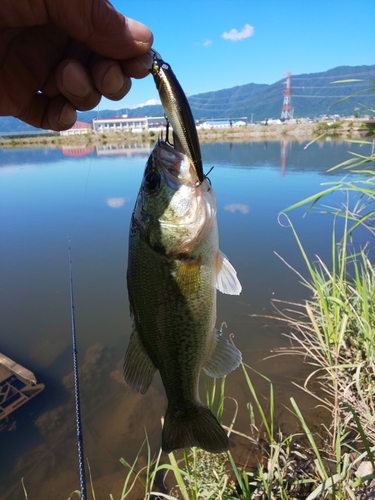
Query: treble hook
x=167, y=130
x=198, y=183
x=206, y=175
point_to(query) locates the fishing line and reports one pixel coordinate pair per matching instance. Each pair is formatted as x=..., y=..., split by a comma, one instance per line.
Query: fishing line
x=84, y=205
x=83, y=211
x=81, y=460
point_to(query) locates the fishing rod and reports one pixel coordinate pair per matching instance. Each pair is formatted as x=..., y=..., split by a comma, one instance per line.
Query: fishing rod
x=81, y=460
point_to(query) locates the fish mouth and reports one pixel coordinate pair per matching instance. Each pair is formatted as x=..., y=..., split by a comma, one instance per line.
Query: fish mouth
x=175, y=164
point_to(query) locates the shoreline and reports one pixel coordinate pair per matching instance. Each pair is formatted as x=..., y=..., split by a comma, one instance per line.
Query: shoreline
x=301, y=132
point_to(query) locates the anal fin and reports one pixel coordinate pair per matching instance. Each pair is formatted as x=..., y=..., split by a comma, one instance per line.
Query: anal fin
x=224, y=358
x=139, y=370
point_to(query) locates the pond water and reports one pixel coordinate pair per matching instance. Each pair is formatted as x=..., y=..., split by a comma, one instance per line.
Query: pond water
x=47, y=195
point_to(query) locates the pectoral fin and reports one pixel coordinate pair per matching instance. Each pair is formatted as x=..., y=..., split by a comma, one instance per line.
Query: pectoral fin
x=139, y=370
x=226, y=276
x=225, y=358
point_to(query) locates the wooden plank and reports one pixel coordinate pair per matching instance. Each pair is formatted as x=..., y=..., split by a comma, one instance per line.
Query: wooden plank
x=17, y=386
x=4, y=374
x=12, y=396
x=17, y=369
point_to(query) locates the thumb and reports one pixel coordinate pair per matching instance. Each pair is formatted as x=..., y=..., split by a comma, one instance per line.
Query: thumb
x=97, y=24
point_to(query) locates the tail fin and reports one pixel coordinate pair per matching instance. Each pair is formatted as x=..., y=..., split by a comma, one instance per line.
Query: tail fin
x=195, y=427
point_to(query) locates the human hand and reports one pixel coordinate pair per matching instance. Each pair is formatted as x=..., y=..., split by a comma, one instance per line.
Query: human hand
x=59, y=56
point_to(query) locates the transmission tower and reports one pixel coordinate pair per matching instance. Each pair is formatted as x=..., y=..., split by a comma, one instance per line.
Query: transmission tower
x=287, y=110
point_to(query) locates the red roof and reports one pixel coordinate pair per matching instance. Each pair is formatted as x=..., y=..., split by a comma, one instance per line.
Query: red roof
x=79, y=124
x=76, y=151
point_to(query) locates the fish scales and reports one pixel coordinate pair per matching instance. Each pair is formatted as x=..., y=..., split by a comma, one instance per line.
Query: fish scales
x=174, y=269
x=179, y=322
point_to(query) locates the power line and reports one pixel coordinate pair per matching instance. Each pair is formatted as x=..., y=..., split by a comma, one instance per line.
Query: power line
x=325, y=86
x=322, y=96
x=349, y=75
x=215, y=101
x=233, y=100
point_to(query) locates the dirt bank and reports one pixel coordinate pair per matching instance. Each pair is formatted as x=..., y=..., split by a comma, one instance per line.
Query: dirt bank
x=260, y=132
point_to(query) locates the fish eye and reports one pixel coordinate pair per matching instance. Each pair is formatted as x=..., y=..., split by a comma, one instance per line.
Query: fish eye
x=152, y=181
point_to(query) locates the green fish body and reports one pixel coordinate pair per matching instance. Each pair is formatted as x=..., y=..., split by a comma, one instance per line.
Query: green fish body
x=174, y=269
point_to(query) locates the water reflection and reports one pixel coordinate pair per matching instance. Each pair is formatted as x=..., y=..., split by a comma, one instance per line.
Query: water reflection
x=76, y=151
x=117, y=202
x=283, y=154
x=237, y=207
x=123, y=149
x=46, y=196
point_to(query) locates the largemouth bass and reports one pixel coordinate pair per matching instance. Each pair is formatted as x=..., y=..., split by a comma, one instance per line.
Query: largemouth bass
x=174, y=269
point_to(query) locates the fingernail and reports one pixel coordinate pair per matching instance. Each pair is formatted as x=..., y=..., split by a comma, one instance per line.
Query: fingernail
x=68, y=115
x=146, y=60
x=140, y=32
x=113, y=81
x=75, y=80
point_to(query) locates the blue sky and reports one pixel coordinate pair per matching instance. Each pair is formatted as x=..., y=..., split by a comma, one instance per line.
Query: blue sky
x=217, y=44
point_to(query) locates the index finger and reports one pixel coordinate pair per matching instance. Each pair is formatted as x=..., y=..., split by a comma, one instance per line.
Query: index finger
x=101, y=27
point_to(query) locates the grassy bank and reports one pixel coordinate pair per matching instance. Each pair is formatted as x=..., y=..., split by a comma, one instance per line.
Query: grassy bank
x=288, y=131
x=301, y=466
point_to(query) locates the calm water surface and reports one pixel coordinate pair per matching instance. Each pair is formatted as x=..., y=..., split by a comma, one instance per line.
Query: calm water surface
x=47, y=195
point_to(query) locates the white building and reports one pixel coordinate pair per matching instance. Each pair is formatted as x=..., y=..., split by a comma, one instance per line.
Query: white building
x=79, y=128
x=128, y=124
x=220, y=123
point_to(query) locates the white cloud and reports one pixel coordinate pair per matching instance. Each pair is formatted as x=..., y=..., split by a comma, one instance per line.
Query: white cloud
x=150, y=102
x=235, y=35
x=237, y=207
x=116, y=202
x=206, y=43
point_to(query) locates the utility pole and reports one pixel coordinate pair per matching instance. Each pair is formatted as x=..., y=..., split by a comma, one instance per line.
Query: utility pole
x=287, y=110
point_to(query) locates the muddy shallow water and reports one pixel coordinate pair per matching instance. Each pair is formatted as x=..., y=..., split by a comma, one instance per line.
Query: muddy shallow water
x=47, y=195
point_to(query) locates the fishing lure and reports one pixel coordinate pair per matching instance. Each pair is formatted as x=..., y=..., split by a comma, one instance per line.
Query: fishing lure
x=177, y=110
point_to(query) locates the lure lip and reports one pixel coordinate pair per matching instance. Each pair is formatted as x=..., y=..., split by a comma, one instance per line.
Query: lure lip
x=155, y=54
x=148, y=59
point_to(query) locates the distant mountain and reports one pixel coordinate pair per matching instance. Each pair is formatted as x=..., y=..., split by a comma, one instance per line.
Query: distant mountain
x=8, y=125
x=234, y=102
x=311, y=95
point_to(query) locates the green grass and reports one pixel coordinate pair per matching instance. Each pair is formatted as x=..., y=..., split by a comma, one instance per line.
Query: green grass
x=284, y=469
x=336, y=327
